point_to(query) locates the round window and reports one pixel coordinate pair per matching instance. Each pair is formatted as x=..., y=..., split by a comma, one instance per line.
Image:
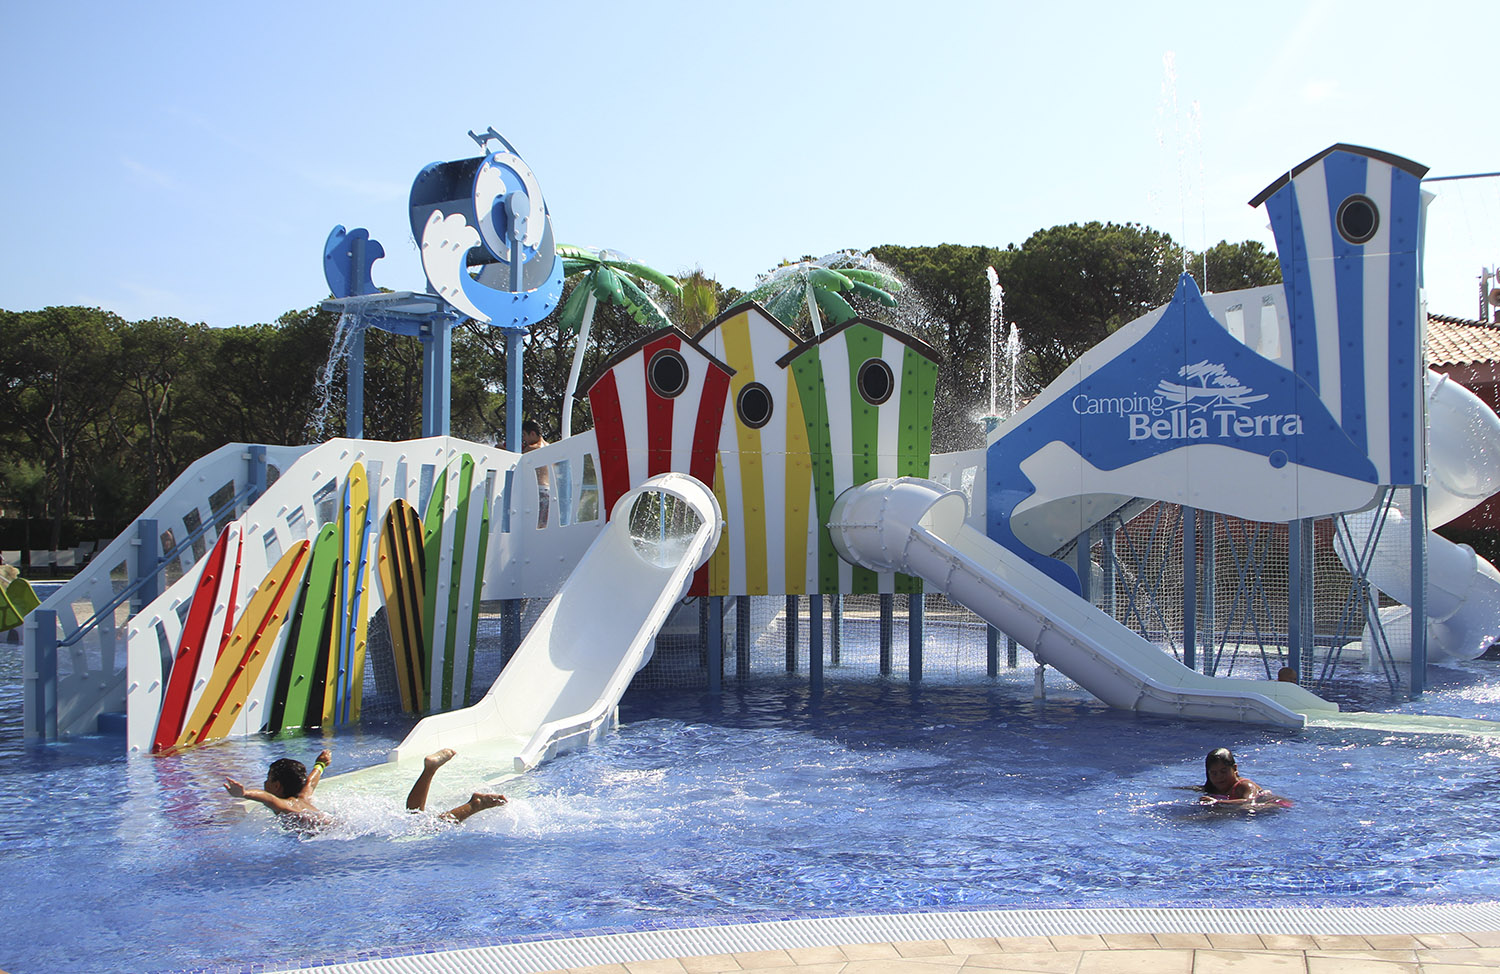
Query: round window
x=1358, y=219
x=668, y=373
x=754, y=405
x=876, y=383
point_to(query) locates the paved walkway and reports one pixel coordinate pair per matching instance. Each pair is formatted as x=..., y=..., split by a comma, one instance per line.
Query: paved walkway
x=1174, y=953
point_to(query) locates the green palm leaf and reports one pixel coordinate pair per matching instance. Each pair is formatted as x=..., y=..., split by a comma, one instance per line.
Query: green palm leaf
x=835, y=307
x=785, y=306
x=874, y=278
x=570, y=319
x=873, y=293
x=645, y=311
x=822, y=277
x=644, y=273
x=607, y=286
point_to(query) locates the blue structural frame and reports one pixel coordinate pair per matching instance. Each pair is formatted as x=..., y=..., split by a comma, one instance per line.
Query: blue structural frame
x=495, y=199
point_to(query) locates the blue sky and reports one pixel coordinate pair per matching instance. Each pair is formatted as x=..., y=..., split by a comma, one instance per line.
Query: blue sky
x=188, y=160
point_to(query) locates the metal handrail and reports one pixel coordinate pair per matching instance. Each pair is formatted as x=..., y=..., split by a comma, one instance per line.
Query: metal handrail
x=109, y=608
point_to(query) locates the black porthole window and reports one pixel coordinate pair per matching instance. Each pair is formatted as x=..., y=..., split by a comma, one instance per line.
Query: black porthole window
x=876, y=383
x=667, y=372
x=754, y=405
x=1358, y=219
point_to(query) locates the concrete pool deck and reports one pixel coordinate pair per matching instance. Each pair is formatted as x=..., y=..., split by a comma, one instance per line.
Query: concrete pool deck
x=1394, y=940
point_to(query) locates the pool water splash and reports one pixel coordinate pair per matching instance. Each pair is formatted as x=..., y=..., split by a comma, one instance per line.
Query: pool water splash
x=771, y=801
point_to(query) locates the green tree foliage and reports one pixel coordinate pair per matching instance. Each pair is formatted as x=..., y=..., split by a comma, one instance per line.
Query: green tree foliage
x=102, y=414
x=698, y=303
x=1235, y=266
x=946, y=303
x=60, y=379
x=1070, y=286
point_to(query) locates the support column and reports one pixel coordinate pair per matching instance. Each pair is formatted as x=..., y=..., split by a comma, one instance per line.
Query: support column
x=1107, y=562
x=791, y=633
x=1210, y=627
x=1084, y=565
x=255, y=473
x=991, y=652
x=1418, y=590
x=1190, y=587
x=742, y=638
x=716, y=644
x=815, y=643
x=147, y=543
x=836, y=634
x=41, y=675
x=354, y=386
x=915, y=608
x=1294, y=597
x=887, y=631
x=437, y=350
x=513, y=390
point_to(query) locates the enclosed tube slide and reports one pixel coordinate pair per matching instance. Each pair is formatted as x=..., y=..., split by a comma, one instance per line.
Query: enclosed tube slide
x=918, y=527
x=562, y=688
x=1463, y=589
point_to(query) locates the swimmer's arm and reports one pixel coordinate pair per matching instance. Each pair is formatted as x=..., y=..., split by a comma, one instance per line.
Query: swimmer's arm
x=280, y=806
x=324, y=759
x=1244, y=792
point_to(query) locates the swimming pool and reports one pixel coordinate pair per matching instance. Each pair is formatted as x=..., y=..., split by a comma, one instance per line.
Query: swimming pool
x=763, y=803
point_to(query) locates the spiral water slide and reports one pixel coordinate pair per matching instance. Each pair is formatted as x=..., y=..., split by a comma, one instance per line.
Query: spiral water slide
x=919, y=527
x=562, y=688
x=1463, y=589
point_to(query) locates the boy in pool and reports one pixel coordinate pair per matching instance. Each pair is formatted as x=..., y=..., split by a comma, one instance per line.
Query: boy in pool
x=289, y=787
x=1224, y=786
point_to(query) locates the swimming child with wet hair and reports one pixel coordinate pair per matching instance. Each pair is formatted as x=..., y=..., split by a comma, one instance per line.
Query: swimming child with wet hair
x=289, y=787
x=1223, y=784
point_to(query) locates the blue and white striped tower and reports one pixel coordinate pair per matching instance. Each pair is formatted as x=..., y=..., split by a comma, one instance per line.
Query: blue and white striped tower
x=1348, y=225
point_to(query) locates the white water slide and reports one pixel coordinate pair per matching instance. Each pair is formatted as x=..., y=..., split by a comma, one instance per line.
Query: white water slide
x=919, y=527
x=1463, y=589
x=562, y=688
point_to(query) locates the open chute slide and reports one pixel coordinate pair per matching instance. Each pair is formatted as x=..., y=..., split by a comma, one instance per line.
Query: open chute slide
x=562, y=688
x=919, y=527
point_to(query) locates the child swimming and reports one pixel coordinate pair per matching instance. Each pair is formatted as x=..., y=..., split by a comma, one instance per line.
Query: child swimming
x=1224, y=786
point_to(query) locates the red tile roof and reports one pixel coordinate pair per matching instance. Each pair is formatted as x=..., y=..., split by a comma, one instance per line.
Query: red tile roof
x=1459, y=341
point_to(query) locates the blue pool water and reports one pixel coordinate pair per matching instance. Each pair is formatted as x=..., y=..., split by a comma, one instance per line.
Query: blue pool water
x=759, y=804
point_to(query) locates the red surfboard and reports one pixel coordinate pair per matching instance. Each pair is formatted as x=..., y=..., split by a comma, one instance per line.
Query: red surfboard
x=190, y=647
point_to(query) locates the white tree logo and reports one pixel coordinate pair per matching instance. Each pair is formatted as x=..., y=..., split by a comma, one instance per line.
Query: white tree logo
x=1206, y=385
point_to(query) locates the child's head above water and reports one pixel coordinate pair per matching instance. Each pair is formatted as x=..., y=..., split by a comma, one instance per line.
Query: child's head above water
x=288, y=775
x=1220, y=771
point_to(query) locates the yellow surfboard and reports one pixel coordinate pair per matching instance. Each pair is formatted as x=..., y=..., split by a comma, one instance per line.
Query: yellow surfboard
x=346, y=662
x=245, y=653
x=401, y=579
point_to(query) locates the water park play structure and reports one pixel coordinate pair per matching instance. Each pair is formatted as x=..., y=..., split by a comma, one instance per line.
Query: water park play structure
x=748, y=461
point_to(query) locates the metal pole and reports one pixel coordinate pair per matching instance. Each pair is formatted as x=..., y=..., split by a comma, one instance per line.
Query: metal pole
x=42, y=677
x=1294, y=597
x=742, y=638
x=1210, y=584
x=354, y=386
x=915, y=605
x=1418, y=590
x=1084, y=564
x=1189, y=587
x=1309, y=592
x=255, y=475
x=791, y=633
x=147, y=543
x=716, y=644
x=991, y=652
x=836, y=626
x=887, y=631
x=815, y=643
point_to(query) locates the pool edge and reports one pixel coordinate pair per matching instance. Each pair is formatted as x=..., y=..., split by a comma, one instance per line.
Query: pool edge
x=533, y=956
